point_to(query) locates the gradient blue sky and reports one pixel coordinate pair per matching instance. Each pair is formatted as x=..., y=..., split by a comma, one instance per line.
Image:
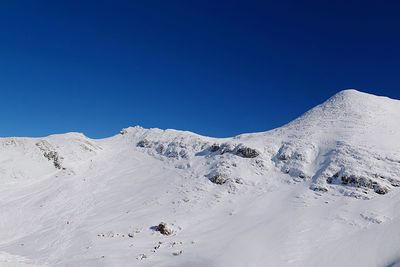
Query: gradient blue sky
x=217, y=68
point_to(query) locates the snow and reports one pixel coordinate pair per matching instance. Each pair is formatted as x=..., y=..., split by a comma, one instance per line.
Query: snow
x=319, y=191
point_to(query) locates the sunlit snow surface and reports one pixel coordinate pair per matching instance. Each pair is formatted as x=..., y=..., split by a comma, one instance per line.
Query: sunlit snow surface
x=320, y=191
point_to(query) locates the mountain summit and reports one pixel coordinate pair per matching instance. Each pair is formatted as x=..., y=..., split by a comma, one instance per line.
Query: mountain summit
x=305, y=194
x=352, y=112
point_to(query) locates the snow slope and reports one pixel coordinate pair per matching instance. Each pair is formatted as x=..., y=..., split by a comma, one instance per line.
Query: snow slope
x=319, y=191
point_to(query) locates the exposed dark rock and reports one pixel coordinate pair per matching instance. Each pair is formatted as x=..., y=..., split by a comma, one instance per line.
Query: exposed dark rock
x=218, y=178
x=319, y=188
x=283, y=156
x=333, y=178
x=183, y=154
x=144, y=143
x=177, y=253
x=53, y=156
x=380, y=189
x=284, y=153
x=50, y=154
x=141, y=257
x=360, y=181
x=214, y=148
x=239, y=181
x=164, y=229
x=356, y=181
x=226, y=148
x=299, y=156
x=302, y=175
x=238, y=150
x=246, y=152
x=171, y=152
x=393, y=182
x=160, y=149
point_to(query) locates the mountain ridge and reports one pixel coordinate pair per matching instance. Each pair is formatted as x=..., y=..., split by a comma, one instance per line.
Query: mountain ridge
x=344, y=96
x=328, y=176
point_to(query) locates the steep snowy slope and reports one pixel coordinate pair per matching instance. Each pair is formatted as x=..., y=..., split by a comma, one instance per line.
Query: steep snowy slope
x=319, y=191
x=351, y=139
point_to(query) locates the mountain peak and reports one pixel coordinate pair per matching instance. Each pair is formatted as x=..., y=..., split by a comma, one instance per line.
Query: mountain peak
x=355, y=105
x=350, y=92
x=353, y=96
x=349, y=114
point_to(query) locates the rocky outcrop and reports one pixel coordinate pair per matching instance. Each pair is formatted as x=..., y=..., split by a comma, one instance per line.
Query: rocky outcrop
x=172, y=150
x=50, y=154
x=362, y=182
x=218, y=178
x=294, y=159
x=246, y=152
x=144, y=143
x=53, y=156
x=344, y=165
x=238, y=150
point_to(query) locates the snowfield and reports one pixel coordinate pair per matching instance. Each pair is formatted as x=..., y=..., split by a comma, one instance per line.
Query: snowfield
x=322, y=190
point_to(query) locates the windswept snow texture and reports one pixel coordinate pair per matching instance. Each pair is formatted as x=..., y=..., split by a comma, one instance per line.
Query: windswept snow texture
x=319, y=191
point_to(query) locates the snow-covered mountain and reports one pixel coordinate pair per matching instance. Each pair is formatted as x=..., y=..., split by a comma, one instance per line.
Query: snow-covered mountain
x=319, y=191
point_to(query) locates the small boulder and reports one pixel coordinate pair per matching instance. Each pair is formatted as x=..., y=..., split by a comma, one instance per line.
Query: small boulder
x=164, y=229
x=177, y=253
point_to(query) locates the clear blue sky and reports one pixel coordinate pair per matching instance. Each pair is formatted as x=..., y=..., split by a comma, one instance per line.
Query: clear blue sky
x=218, y=68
